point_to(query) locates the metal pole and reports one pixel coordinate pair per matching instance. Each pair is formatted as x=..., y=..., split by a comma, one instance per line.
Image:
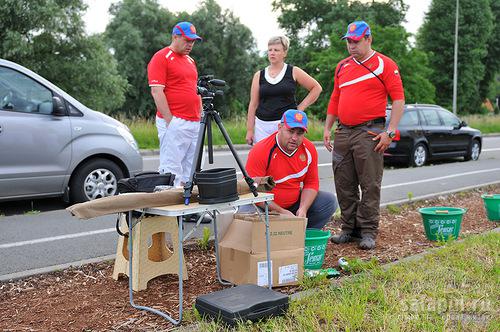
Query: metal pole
x=455, y=63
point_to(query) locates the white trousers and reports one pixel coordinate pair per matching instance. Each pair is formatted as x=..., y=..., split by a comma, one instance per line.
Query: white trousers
x=264, y=128
x=177, y=147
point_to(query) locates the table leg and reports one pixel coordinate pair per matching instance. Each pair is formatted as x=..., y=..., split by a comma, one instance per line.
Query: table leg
x=216, y=242
x=269, y=268
x=130, y=291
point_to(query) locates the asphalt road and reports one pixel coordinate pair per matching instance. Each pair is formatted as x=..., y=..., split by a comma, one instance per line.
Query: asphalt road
x=40, y=236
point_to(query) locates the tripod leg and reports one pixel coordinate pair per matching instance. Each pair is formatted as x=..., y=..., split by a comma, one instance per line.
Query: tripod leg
x=196, y=166
x=209, y=140
x=248, y=179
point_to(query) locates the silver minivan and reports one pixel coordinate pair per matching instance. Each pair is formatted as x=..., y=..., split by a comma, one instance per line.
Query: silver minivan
x=52, y=145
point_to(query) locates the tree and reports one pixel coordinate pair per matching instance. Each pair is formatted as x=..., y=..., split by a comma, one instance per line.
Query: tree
x=228, y=51
x=137, y=30
x=315, y=27
x=436, y=37
x=492, y=59
x=47, y=36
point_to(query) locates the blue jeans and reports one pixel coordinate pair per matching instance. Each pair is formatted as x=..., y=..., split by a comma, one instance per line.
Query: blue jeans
x=321, y=210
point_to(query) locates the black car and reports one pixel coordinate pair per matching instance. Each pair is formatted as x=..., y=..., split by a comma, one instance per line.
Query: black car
x=432, y=132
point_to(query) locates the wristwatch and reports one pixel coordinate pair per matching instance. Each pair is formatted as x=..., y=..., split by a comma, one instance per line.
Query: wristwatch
x=391, y=133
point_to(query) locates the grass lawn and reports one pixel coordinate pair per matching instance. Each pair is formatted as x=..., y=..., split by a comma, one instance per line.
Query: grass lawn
x=145, y=131
x=488, y=124
x=455, y=288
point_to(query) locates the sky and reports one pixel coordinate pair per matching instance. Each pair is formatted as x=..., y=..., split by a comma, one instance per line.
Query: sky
x=257, y=15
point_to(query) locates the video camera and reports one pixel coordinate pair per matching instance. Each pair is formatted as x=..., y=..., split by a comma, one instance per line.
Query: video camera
x=207, y=86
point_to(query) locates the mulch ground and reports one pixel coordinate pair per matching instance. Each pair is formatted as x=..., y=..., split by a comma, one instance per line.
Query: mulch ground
x=88, y=299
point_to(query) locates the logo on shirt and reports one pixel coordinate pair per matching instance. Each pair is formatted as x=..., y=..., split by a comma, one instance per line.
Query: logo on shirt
x=396, y=72
x=302, y=157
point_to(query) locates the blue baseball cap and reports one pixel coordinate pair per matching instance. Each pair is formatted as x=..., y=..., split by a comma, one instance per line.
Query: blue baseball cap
x=357, y=30
x=187, y=30
x=294, y=119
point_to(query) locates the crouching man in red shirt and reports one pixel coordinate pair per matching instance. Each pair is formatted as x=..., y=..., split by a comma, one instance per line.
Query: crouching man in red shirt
x=292, y=161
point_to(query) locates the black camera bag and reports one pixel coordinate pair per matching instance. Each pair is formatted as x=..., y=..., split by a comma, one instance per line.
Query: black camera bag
x=142, y=182
x=145, y=182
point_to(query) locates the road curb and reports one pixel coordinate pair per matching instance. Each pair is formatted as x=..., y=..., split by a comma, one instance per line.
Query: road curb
x=28, y=273
x=48, y=269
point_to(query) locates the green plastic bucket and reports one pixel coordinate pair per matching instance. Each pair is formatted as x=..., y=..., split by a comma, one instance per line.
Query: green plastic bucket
x=315, y=247
x=492, y=206
x=442, y=222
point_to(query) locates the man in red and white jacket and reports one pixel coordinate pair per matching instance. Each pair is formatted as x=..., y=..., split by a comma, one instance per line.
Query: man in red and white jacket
x=173, y=77
x=292, y=161
x=362, y=83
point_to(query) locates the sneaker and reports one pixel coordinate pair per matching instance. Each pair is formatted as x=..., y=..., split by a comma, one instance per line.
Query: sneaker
x=367, y=243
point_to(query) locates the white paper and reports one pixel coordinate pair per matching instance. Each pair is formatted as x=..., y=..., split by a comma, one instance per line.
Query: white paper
x=288, y=273
x=262, y=273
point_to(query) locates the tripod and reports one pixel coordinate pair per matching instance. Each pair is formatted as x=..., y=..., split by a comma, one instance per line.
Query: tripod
x=209, y=115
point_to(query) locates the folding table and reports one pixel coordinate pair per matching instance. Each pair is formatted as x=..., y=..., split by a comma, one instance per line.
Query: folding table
x=181, y=210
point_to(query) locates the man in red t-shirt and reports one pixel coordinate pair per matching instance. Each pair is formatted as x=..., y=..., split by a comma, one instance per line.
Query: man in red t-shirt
x=362, y=83
x=172, y=76
x=292, y=161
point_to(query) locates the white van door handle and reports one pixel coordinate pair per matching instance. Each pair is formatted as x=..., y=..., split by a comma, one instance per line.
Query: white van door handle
x=0, y=129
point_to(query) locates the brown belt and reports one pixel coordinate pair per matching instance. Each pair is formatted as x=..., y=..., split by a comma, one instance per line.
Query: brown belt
x=365, y=124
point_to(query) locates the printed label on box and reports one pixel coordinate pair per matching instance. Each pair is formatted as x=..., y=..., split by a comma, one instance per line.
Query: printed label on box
x=262, y=273
x=288, y=273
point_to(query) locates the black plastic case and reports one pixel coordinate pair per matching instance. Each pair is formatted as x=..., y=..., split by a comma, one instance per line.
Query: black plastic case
x=244, y=302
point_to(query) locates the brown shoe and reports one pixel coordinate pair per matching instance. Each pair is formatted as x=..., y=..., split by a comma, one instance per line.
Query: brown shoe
x=367, y=243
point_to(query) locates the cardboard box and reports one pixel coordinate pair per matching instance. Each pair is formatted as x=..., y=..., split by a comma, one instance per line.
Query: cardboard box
x=248, y=233
x=242, y=251
x=241, y=267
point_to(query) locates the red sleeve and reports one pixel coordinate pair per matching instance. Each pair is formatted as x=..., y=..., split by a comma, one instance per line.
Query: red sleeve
x=311, y=181
x=255, y=163
x=333, y=105
x=392, y=79
x=157, y=70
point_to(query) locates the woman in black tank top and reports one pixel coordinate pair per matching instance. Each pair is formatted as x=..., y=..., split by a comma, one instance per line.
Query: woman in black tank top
x=273, y=92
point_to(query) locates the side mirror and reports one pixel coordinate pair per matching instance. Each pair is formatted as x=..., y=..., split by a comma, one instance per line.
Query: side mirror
x=59, y=108
x=460, y=125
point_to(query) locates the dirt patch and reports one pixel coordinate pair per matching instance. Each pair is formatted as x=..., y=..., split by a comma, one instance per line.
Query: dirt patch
x=88, y=299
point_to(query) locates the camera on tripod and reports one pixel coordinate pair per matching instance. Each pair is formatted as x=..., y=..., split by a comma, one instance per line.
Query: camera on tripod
x=208, y=89
x=208, y=86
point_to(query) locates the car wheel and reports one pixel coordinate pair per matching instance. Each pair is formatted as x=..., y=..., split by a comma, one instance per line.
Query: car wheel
x=474, y=151
x=419, y=155
x=95, y=179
